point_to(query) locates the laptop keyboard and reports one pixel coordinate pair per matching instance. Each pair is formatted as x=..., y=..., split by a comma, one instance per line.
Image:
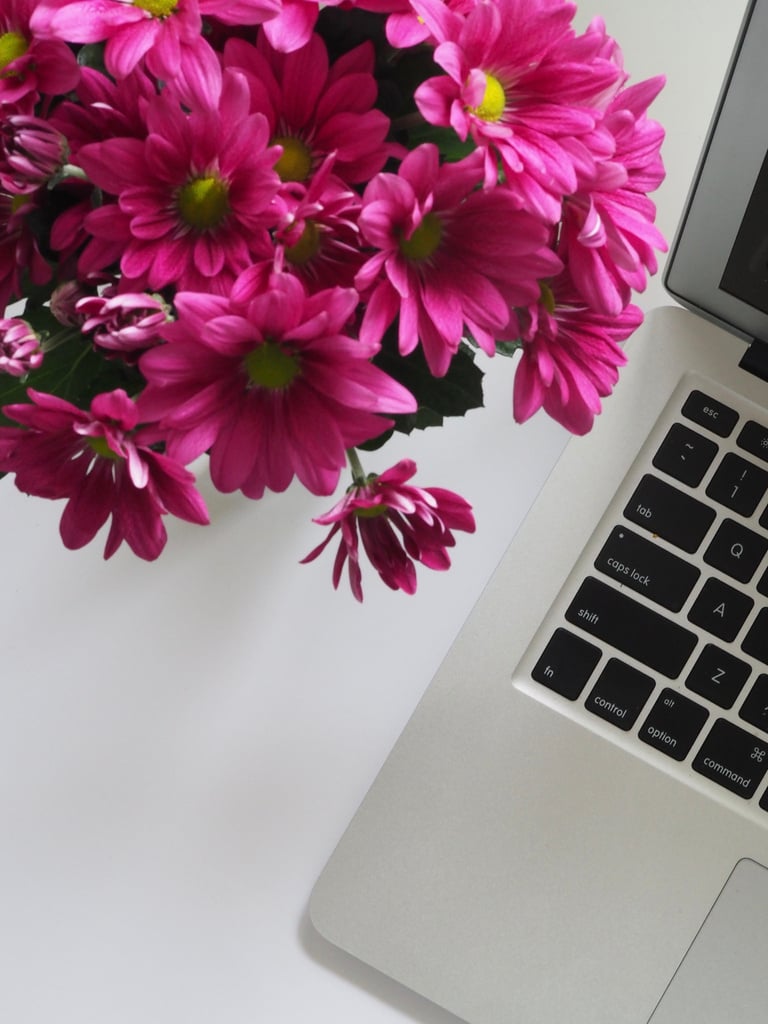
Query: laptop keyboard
x=665, y=636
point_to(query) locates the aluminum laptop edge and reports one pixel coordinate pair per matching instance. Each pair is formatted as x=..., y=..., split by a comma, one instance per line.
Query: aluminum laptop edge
x=521, y=859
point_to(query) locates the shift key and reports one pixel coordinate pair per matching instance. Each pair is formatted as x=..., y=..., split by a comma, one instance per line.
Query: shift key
x=632, y=628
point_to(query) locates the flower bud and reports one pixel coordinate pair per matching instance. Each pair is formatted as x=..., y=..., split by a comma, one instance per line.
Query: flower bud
x=20, y=349
x=125, y=323
x=32, y=152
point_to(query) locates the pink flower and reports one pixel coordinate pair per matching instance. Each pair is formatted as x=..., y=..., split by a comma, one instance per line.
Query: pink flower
x=31, y=65
x=449, y=256
x=570, y=357
x=193, y=198
x=167, y=34
x=32, y=152
x=20, y=349
x=315, y=108
x=19, y=250
x=99, y=463
x=316, y=237
x=608, y=237
x=523, y=86
x=105, y=109
x=125, y=322
x=268, y=381
x=398, y=524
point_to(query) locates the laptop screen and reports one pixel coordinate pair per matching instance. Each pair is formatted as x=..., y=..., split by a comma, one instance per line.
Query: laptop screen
x=719, y=260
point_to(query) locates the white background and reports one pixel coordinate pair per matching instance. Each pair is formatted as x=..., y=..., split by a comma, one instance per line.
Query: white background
x=182, y=743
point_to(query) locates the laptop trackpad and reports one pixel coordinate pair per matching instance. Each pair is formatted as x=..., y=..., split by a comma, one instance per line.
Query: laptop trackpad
x=723, y=976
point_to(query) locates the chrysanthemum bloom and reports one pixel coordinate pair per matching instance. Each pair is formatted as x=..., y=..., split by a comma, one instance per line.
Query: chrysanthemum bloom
x=99, y=462
x=398, y=524
x=317, y=237
x=103, y=109
x=32, y=152
x=20, y=349
x=269, y=383
x=607, y=236
x=166, y=34
x=31, y=65
x=315, y=108
x=449, y=255
x=523, y=86
x=18, y=246
x=570, y=358
x=193, y=198
x=124, y=322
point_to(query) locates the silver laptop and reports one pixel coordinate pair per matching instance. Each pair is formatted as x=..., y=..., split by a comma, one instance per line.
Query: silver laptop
x=573, y=826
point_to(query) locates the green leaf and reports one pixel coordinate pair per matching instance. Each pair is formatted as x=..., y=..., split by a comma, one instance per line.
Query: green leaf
x=508, y=348
x=73, y=371
x=460, y=390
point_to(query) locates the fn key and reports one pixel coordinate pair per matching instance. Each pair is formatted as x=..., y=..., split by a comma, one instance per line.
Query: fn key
x=566, y=664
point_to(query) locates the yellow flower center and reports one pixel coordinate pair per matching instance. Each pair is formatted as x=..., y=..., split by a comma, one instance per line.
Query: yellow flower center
x=296, y=162
x=493, y=102
x=424, y=240
x=203, y=202
x=372, y=511
x=547, y=297
x=12, y=46
x=270, y=366
x=100, y=445
x=18, y=201
x=157, y=8
x=306, y=247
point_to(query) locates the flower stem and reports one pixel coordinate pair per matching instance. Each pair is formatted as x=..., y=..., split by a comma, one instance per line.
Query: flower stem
x=358, y=473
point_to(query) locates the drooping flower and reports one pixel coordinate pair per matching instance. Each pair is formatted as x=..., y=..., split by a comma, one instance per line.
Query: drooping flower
x=99, y=462
x=607, y=235
x=570, y=356
x=193, y=198
x=123, y=322
x=315, y=108
x=270, y=383
x=449, y=255
x=166, y=34
x=32, y=152
x=31, y=65
x=20, y=349
x=399, y=524
x=523, y=86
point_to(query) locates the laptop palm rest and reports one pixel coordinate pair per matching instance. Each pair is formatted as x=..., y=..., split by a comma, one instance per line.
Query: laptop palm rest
x=723, y=975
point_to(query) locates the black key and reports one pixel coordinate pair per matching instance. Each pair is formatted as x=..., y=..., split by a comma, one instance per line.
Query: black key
x=630, y=627
x=718, y=676
x=566, y=664
x=668, y=512
x=755, y=708
x=647, y=568
x=756, y=640
x=738, y=484
x=753, y=438
x=733, y=758
x=720, y=609
x=619, y=694
x=710, y=413
x=685, y=455
x=736, y=551
x=762, y=584
x=673, y=724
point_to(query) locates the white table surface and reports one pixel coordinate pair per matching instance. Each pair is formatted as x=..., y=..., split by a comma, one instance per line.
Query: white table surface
x=182, y=743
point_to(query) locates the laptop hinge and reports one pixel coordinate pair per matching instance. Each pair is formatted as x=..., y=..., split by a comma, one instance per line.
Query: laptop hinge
x=755, y=359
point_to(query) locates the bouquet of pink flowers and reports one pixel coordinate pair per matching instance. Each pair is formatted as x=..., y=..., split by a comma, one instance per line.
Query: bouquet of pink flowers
x=275, y=234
